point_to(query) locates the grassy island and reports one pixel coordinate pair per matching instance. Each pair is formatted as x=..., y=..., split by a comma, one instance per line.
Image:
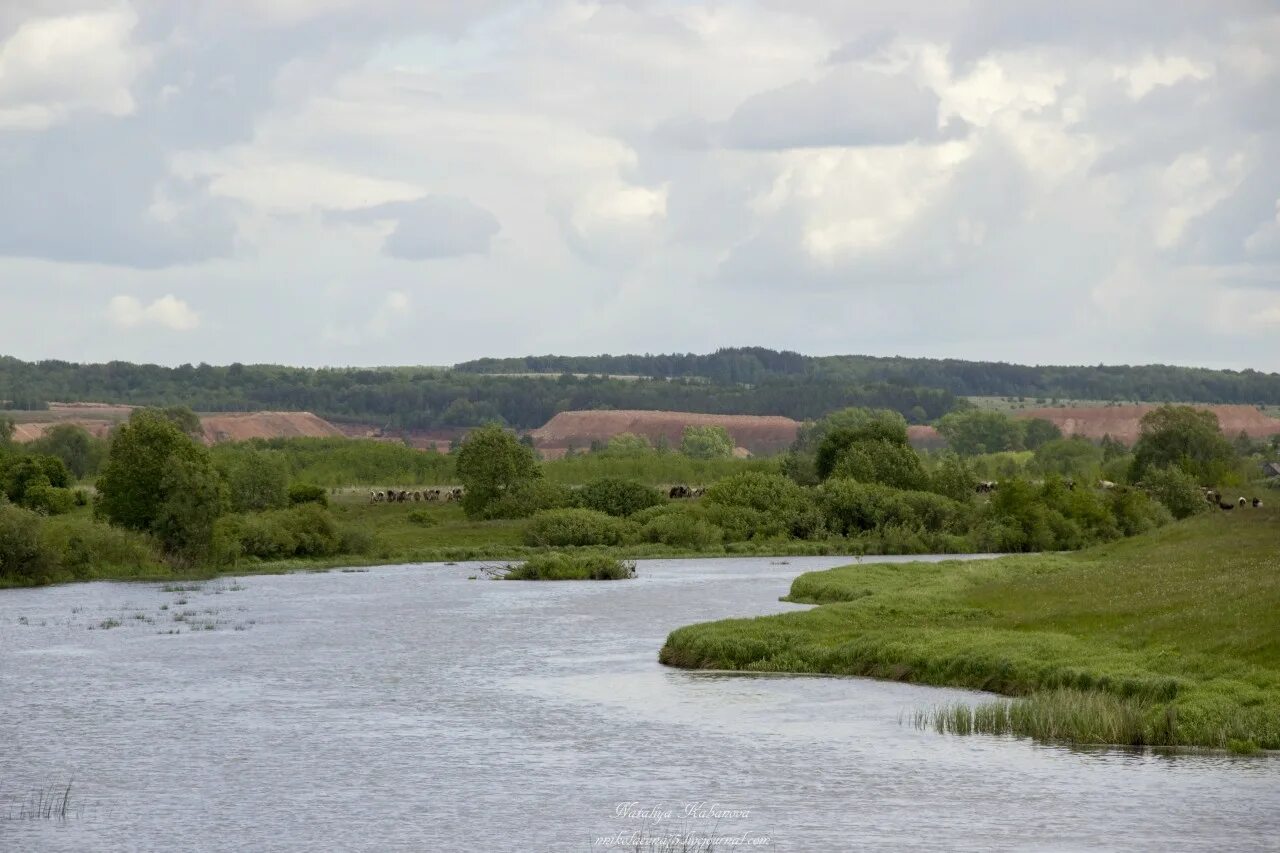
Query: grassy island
x=1169, y=638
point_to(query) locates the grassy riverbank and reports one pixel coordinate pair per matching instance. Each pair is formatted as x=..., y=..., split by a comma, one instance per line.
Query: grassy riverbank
x=1171, y=636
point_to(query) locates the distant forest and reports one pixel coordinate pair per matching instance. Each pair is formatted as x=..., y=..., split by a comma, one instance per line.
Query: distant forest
x=1149, y=383
x=729, y=381
x=423, y=398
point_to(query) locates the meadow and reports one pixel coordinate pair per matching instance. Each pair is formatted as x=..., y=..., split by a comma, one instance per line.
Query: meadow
x=1168, y=638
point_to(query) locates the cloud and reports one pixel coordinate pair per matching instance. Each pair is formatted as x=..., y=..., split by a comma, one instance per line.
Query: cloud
x=430, y=227
x=849, y=106
x=54, y=67
x=167, y=312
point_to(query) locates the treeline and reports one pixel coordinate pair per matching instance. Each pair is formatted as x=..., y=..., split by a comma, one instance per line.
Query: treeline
x=752, y=365
x=421, y=398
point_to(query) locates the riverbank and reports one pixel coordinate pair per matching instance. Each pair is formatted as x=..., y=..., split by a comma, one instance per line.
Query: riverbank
x=1173, y=633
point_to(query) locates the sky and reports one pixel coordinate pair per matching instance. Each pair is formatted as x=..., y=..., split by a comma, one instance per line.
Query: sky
x=373, y=182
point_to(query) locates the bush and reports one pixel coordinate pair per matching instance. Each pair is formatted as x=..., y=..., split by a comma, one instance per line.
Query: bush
x=780, y=499
x=85, y=548
x=681, y=530
x=528, y=498
x=740, y=523
x=1177, y=490
x=564, y=527
x=619, y=497
x=305, y=493
x=306, y=530
x=1135, y=513
x=422, y=517
x=564, y=567
x=24, y=556
x=849, y=506
x=48, y=500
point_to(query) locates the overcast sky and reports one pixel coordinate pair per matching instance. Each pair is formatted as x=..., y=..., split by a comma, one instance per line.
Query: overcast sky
x=421, y=182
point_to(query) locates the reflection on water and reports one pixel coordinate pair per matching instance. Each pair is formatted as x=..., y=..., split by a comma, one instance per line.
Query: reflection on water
x=410, y=708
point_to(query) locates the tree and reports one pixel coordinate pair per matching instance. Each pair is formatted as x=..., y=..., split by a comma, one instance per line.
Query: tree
x=491, y=461
x=194, y=498
x=706, y=442
x=1184, y=436
x=257, y=480
x=156, y=479
x=1038, y=431
x=1069, y=457
x=7, y=428
x=185, y=419
x=82, y=453
x=953, y=478
x=1111, y=448
x=882, y=462
x=979, y=431
x=874, y=443
x=1177, y=490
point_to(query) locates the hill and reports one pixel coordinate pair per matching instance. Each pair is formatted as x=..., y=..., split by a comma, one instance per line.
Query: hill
x=580, y=429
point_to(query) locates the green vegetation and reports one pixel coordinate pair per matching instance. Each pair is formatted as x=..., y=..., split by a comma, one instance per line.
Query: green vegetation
x=706, y=442
x=1167, y=638
x=977, y=431
x=492, y=462
x=1184, y=437
x=569, y=567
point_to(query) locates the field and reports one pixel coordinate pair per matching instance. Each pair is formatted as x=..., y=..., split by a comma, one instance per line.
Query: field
x=1168, y=638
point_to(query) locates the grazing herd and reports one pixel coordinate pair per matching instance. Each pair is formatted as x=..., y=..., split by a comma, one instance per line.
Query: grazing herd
x=392, y=496
x=1215, y=498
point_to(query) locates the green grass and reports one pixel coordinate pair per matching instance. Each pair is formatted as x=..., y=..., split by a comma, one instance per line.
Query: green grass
x=1180, y=624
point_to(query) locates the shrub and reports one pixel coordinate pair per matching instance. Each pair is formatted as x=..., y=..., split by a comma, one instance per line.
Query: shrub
x=528, y=498
x=306, y=530
x=1177, y=490
x=86, y=547
x=849, y=506
x=776, y=496
x=883, y=462
x=1135, y=513
x=24, y=556
x=619, y=497
x=305, y=493
x=562, y=527
x=953, y=478
x=740, y=523
x=46, y=499
x=422, y=517
x=563, y=567
x=681, y=530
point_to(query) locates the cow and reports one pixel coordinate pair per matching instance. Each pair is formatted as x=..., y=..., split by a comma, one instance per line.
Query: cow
x=1242, y=501
x=1227, y=505
x=417, y=496
x=986, y=487
x=1257, y=503
x=1106, y=485
x=679, y=492
x=433, y=494
x=456, y=494
x=373, y=496
x=698, y=492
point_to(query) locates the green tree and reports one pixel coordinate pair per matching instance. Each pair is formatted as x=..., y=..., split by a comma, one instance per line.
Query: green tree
x=1070, y=457
x=953, y=478
x=157, y=479
x=1038, y=431
x=978, y=431
x=185, y=419
x=1184, y=436
x=194, y=498
x=256, y=480
x=706, y=442
x=1111, y=448
x=882, y=462
x=1177, y=490
x=491, y=461
x=23, y=554
x=82, y=453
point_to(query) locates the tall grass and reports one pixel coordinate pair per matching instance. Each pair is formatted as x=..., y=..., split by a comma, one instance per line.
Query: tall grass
x=1070, y=716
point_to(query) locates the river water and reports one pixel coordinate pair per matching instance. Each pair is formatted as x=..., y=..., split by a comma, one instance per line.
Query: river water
x=410, y=708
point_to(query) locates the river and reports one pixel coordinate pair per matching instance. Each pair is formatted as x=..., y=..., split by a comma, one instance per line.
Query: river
x=410, y=708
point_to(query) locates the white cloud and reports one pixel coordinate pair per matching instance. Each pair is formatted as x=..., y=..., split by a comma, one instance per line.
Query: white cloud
x=167, y=312
x=53, y=67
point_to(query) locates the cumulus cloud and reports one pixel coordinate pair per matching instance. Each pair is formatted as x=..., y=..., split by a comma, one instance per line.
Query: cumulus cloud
x=167, y=312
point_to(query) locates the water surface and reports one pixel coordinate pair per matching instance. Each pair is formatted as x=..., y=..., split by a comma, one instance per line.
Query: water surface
x=409, y=708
